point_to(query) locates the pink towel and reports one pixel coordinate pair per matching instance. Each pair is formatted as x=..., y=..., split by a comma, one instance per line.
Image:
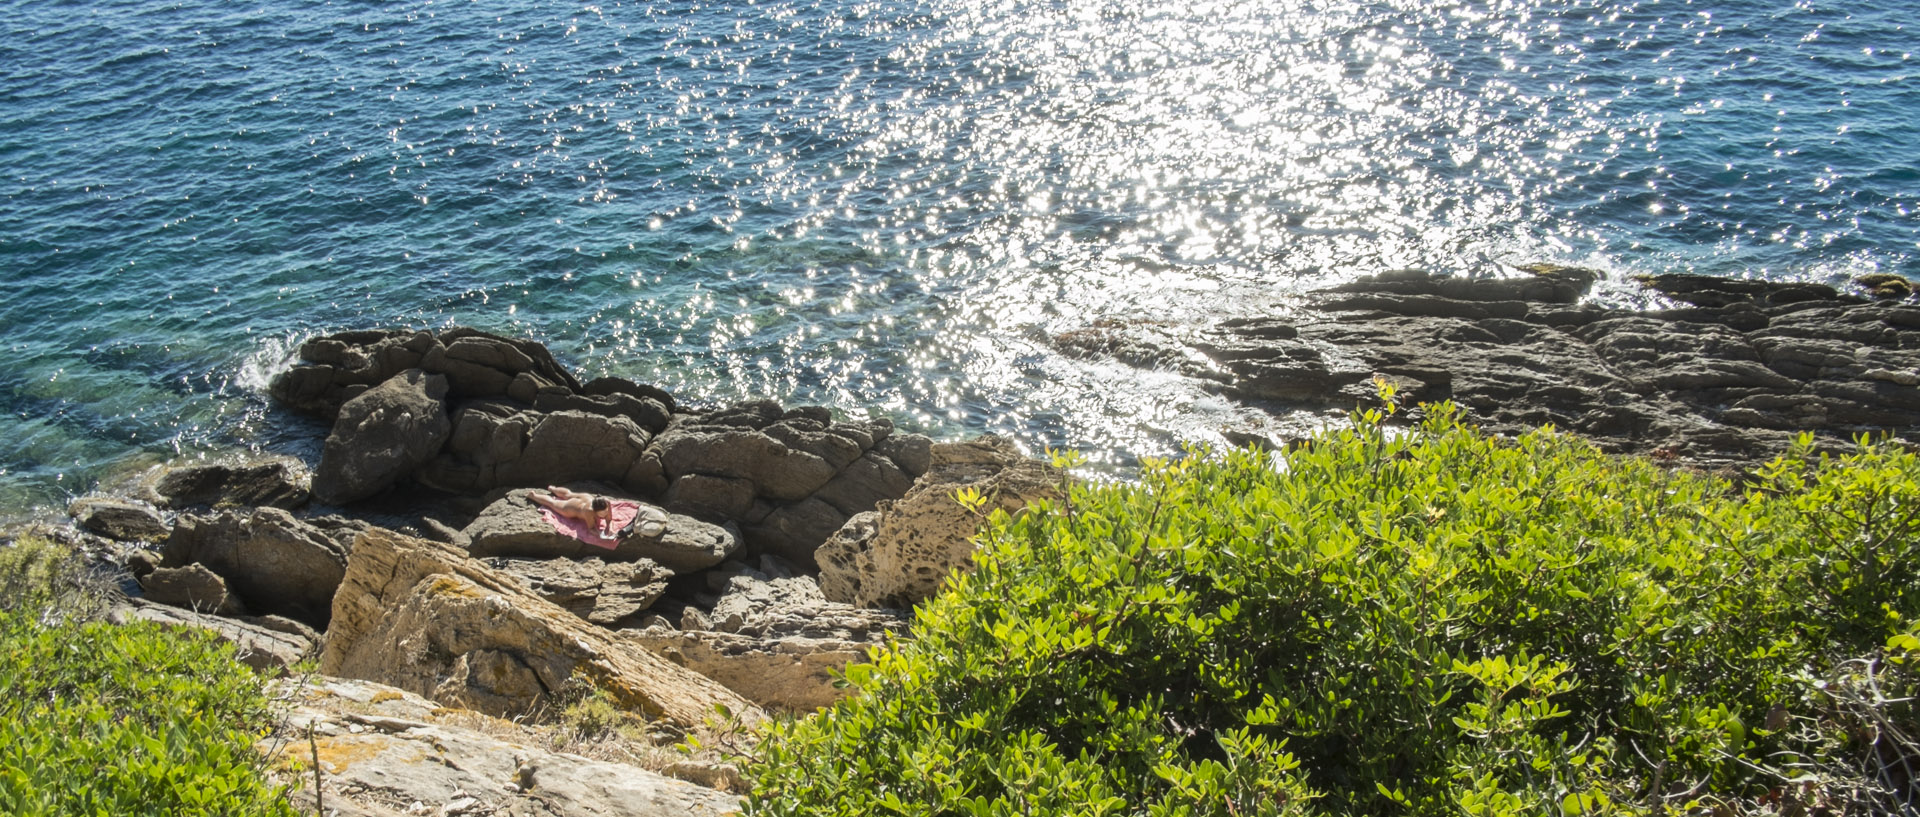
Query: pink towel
x=623, y=512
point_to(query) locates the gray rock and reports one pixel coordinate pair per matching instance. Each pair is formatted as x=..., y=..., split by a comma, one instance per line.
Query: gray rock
x=620, y=385
x=382, y=436
x=711, y=498
x=278, y=482
x=779, y=472
x=1726, y=379
x=835, y=446
x=793, y=532
x=345, y=364
x=645, y=412
x=606, y=594
x=193, y=587
x=275, y=563
x=121, y=519
x=864, y=484
x=476, y=364
x=569, y=446
x=775, y=639
x=912, y=452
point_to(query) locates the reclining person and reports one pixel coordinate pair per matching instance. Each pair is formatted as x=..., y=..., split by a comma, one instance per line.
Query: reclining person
x=596, y=511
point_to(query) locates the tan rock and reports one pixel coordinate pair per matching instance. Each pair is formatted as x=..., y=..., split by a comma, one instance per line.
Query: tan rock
x=899, y=553
x=425, y=617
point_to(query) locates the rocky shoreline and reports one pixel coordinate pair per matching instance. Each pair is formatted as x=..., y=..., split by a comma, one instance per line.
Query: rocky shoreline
x=783, y=543
x=779, y=545
x=1726, y=376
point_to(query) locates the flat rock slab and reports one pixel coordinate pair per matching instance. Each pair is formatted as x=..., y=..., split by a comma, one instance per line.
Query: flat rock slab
x=513, y=527
x=386, y=751
x=264, y=644
x=279, y=482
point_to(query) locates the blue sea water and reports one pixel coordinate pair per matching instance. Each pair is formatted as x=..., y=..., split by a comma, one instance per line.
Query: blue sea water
x=877, y=205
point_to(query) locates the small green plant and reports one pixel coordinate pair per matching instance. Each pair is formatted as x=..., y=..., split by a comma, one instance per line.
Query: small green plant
x=1415, y=620
x=589, y=712
x=40, y=578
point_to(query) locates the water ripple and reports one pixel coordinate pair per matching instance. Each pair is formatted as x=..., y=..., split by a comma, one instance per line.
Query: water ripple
x=878, y=206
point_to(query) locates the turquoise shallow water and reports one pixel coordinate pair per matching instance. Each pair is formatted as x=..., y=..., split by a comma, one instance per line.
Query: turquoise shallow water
x=878, y=206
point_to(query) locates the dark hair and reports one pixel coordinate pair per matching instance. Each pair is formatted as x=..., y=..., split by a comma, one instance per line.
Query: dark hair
x=600, y=503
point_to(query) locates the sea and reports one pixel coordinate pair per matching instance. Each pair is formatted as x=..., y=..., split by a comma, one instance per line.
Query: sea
x=881, y=206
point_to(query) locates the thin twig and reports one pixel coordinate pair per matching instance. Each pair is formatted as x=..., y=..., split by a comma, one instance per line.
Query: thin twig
x=319, y=794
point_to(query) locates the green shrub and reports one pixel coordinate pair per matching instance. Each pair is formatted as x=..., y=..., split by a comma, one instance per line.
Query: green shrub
x=98, y=719
x=1424, y=621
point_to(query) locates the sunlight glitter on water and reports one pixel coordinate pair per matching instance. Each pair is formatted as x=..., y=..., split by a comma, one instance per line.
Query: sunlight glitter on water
x=886, y=207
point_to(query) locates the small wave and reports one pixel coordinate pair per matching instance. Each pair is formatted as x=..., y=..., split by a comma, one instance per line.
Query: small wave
x=270, y=356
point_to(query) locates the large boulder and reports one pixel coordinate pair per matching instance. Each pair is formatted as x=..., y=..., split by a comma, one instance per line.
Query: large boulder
x=427, y=618
x=341, y=366
x=776, y=470
x=275, y=563
x=899, y=554
x=479, y=364
x=383, y=435
x=378, y=746
x=513, y=526
x=793, y=532
x=496, y=443
x=568, y=446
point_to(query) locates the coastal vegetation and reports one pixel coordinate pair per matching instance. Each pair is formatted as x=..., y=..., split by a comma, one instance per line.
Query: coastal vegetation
x=1416, y=620
x=97, y=718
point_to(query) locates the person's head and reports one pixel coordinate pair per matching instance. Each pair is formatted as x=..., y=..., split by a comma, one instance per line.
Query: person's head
x=600, y=504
